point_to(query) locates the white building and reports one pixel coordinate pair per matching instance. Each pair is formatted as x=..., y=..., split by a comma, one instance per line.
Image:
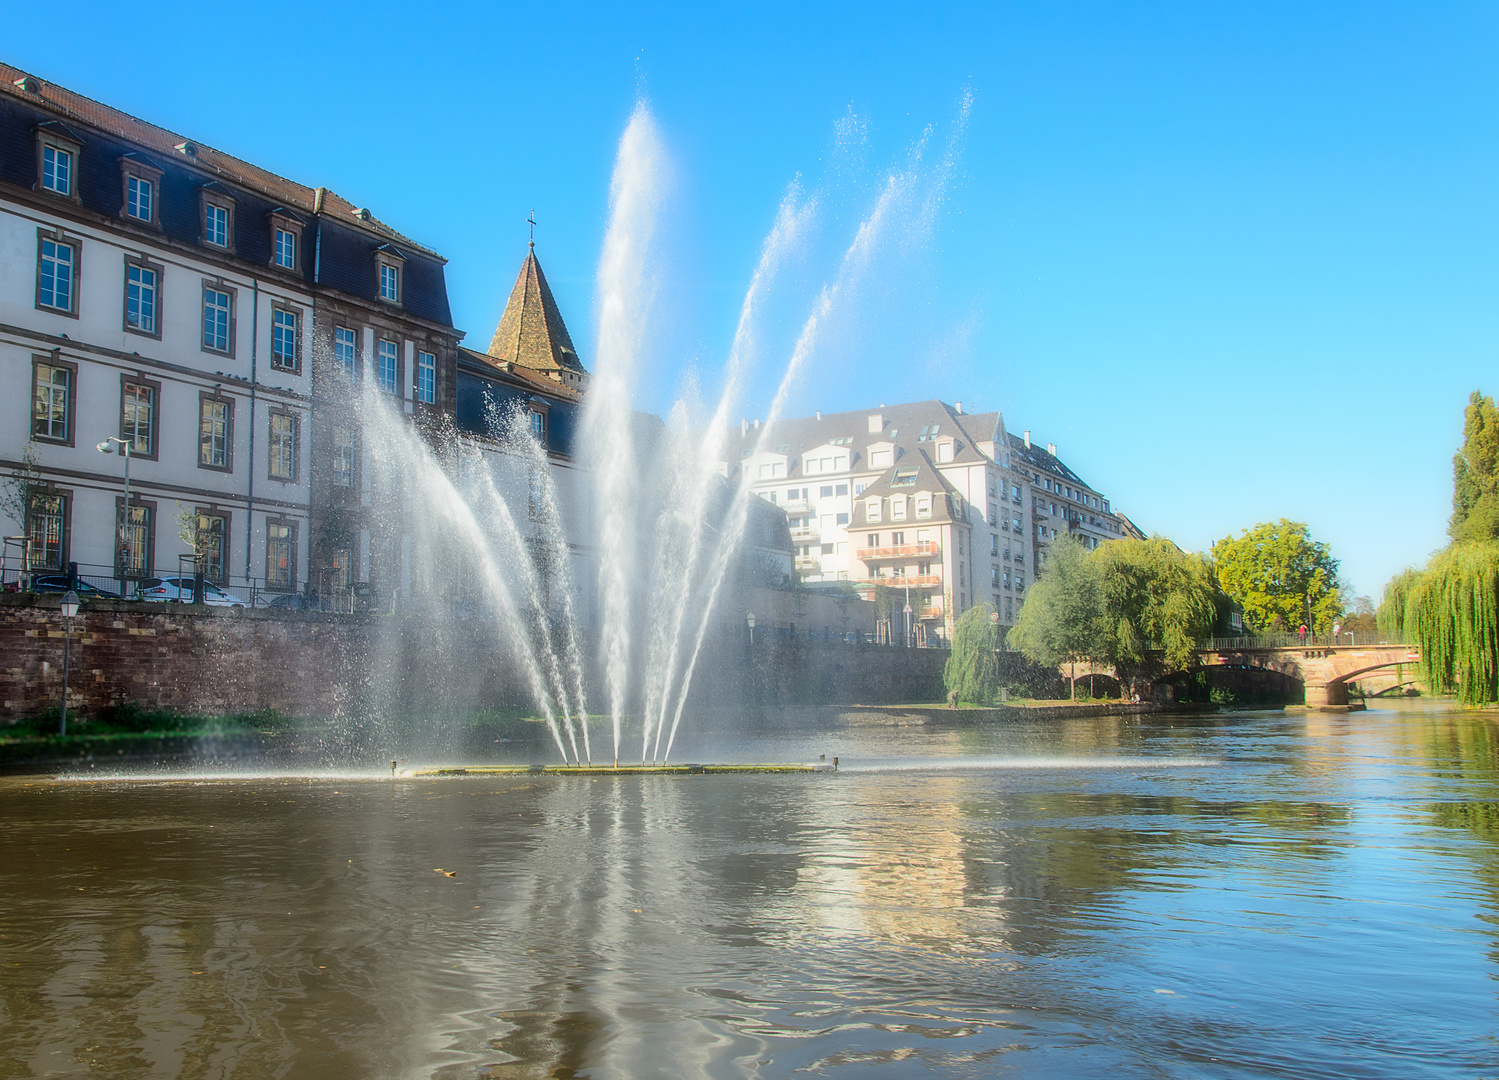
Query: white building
x=150, y=293
x=923, y=498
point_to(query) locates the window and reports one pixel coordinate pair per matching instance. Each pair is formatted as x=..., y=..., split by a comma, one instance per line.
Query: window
x=387, y=367
x=216, y=225
x=842, y=489
x=136, y=536
x=345, y=356
x=390, y=283
x=538, y=425
x=904, y=478
x=57, y=169
x=859, y=488
x=897, y=539
x=46, y=528
x=842, y=519
x=874, y=540
x=217, y=305
x=343, y=456
x=881, y=459
x=141, y=314
x=944, y=451
x=825, y=492
x=924, y=504
x=139, y=198
x=994, y=544
x=827, y=549
x=286, y=248
x=215, y=418
x=280, y=554
x=286, y=339
x=57, y=260
x=283, y=447
x=138, y=416
x=212, y=551
x=426, y=389
x=52, y=401
x=897, y=508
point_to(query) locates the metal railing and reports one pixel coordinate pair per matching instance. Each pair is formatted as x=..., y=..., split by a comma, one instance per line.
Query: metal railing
x=920, y=549
x=252, y=591
x=1344, y=639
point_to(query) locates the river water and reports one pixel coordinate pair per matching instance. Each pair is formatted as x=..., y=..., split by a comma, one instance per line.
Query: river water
x=1238, y=895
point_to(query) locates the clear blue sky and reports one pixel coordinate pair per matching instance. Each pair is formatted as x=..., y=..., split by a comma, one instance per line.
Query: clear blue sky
x=1236, y=259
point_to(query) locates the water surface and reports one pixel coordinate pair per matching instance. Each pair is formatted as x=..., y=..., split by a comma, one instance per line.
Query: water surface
x=1241, y=895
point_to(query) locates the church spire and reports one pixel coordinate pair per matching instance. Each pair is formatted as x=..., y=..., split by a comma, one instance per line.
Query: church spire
x=531, y=333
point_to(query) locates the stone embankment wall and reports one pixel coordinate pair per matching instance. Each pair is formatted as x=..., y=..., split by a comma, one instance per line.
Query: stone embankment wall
x=216, y=661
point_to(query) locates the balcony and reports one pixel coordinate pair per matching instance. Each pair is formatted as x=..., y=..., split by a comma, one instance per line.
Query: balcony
x=808, y=564
x=795, y=504
x=923, y=549
x=914, y=581
x=805, y=534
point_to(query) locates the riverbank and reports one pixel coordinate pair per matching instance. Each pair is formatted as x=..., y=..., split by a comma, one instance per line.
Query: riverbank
x=936, y=715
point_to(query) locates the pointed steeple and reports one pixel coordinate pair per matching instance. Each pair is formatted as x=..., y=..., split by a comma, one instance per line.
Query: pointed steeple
x=532, y=334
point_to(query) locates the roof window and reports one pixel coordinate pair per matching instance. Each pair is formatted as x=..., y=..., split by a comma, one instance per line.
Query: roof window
x=904, y=478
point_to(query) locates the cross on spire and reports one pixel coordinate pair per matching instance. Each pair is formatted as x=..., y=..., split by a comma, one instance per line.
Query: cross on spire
x=531, y=220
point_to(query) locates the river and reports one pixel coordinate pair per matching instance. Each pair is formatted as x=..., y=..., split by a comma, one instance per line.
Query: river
x=1234, y=895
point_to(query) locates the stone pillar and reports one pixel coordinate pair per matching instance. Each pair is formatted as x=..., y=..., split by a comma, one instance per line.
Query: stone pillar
x=1335, y=693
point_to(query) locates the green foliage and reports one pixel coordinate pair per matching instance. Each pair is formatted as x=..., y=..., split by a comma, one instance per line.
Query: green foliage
x=972, y=671
x=1452, y=611
x=1475, y=475
x=1274, y=571
x=1062, y=617
x=1152, y=592
x=1391, y=615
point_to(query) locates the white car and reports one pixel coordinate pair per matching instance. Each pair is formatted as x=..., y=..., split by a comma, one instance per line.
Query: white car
x=180, y=589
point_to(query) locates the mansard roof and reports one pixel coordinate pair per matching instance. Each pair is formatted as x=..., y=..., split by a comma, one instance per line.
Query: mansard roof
x=908, y=427
x=172, y=147
x=531, y=333
x=913, y=474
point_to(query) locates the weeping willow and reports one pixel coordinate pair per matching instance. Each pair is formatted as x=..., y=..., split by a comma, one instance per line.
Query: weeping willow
x=1452, y=612
x=1391, y=615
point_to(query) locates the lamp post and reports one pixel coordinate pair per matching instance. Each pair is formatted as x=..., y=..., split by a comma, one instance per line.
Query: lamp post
x=750, y=618
x=104, y=448
x=909, y=634
x=69, y=609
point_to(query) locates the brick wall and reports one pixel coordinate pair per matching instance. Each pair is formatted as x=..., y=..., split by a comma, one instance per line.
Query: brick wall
x=215, y=661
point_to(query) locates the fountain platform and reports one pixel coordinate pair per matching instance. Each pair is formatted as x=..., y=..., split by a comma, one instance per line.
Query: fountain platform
x=617, y=770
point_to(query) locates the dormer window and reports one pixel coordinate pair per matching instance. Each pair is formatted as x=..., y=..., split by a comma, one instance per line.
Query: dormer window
x=388, y=264
x=944, y=450
x=217, y=217
x=872, y=509
x=140, y=191
x=286, y=239
x=57, y=153
x=57, y=169
x=924, y=504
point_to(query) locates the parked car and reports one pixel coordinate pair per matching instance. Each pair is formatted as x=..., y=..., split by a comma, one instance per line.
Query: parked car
x=180, y=589
x=59, y=583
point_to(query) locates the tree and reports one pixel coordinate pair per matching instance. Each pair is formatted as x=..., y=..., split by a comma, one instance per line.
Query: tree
x=1152, y=592
x=1390, y=618
x=1062, y=618
x=972, y=671
x=1280, y=576
x=1475, y=475
x=1453, y=611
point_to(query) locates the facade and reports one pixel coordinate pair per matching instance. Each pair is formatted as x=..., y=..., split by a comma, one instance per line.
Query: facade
x=216, y=317
x=155, y=293
x=921, y=498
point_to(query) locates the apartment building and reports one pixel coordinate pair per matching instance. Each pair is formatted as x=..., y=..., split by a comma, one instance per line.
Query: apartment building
x=947, y=507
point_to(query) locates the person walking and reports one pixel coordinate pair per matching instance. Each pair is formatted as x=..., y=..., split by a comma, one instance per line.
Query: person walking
x=1302, y=631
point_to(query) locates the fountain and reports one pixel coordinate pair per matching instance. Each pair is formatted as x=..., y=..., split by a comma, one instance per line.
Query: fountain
x=680, y=523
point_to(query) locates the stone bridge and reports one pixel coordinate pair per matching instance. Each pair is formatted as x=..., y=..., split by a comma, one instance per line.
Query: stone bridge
x=1321, y=665
x=1324, y=669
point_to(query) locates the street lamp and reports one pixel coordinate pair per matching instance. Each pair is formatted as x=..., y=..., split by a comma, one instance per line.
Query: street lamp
x=104, y=448
x=69, y=609
x=750, y=618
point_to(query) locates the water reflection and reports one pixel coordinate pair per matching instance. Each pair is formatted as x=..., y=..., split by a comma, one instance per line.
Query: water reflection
x=1253, y=891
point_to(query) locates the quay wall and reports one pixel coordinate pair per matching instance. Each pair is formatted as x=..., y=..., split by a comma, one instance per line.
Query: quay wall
x=178, y=658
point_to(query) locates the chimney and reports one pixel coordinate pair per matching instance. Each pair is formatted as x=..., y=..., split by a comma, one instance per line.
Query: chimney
x=743, y=422
x=1051, y=448
x=957, y=405
x=819, y=411
x=757, y=423
x=876, y=421
x=1027, y=438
